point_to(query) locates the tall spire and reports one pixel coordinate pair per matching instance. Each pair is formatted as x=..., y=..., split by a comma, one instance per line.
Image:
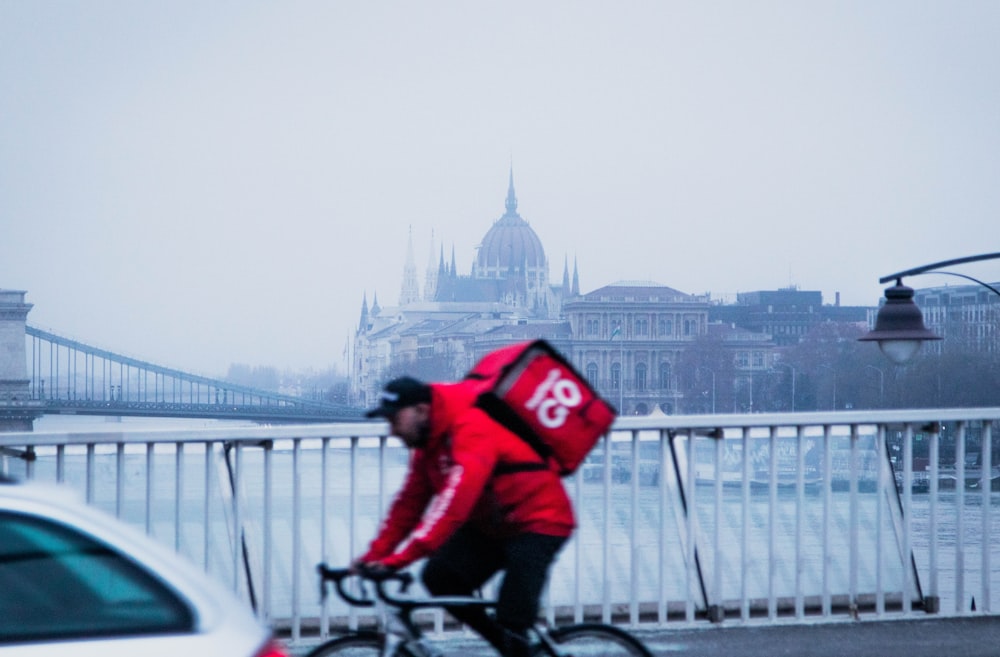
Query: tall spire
x=431, y=280
x=363, y=323
x=576, y=279
x=410, y=291
x=511, y=198
x=565, y=281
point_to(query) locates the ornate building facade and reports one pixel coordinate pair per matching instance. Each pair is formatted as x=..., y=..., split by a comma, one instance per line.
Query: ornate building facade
x=627, y=338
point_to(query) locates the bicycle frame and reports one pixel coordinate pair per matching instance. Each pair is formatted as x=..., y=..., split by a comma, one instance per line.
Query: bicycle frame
x=398, y=629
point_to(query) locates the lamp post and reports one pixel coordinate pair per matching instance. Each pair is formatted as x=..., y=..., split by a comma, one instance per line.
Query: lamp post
x=617, y=333
x=899, y=326
x=713, y=385
x=834, y=373
x=881, y=384
x=792, y=369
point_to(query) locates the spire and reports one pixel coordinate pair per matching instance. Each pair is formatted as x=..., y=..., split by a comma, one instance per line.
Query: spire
x=375, y=307
x=363, y=324
x=565, y=283
x=410, y=291
x=430, y=282
x=454, y=269
x=511, y=198
x=576, y=280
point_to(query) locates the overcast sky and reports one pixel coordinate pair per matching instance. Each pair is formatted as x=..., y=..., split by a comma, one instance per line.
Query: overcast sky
x=206, y=183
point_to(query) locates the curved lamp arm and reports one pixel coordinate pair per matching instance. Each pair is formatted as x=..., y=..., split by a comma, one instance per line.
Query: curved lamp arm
x=924, y=269
x=899, y=325
x=968, y=278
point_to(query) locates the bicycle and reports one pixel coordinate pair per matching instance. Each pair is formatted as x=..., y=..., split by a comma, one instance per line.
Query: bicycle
x=398, y=635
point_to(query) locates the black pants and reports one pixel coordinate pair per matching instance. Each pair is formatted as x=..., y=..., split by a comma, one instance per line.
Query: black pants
x=470, y=558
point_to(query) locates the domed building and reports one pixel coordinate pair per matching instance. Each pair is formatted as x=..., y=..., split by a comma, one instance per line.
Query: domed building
x=510, y=268
x=441, y=332
x=511, y=251
x=634, y=340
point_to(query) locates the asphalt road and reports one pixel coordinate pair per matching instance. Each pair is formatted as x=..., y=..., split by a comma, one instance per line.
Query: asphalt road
x=970, y=636
x=931, y=637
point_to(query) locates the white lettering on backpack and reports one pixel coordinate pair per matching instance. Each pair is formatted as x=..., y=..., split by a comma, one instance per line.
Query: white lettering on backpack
x=552, y=410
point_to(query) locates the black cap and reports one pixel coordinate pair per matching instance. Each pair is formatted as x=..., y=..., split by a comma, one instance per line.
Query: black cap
x=400, y=393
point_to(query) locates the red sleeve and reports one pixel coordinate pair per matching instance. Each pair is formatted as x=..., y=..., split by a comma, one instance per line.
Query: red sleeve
x=473, y=462
x=405, y=511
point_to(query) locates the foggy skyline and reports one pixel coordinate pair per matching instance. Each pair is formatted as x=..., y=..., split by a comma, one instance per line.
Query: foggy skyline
x=203, y=184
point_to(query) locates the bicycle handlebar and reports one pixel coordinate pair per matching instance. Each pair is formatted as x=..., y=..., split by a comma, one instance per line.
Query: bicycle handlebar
x=340, y=575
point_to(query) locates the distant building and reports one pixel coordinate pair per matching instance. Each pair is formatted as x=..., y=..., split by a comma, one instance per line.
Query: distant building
x=965, y=315
x=630, y=339
x=787, y=314
x=441, y=333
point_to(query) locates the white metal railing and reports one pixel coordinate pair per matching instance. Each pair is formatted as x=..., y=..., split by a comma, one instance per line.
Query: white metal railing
x=681, y=518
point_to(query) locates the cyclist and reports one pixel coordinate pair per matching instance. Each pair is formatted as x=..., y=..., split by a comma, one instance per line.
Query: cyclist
x=476, y=500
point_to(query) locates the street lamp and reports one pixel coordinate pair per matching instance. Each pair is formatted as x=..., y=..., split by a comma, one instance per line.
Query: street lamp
x=617, y=332
x=881, y=384
x=834, y=373
x=713, y=385
x=899, y=326
x=792, y=369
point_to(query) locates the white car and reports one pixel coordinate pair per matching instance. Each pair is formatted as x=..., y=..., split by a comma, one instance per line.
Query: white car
x=77, y=581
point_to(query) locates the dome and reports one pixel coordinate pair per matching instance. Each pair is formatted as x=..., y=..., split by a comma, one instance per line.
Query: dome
x=510, y=242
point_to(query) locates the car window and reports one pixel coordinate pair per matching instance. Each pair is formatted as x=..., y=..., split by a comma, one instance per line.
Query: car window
x=58, y=583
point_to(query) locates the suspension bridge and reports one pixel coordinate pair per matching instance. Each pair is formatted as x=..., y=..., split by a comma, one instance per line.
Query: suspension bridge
x=43, y=373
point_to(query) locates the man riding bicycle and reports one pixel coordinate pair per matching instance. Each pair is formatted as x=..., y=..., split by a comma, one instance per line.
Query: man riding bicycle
x=476, y=500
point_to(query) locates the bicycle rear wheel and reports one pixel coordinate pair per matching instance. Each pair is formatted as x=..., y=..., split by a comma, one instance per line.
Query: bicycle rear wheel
x=362, y=644
x=595, y=639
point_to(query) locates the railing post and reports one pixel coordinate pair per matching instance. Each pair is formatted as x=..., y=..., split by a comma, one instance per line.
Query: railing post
x=716, y=611
x=932, y=602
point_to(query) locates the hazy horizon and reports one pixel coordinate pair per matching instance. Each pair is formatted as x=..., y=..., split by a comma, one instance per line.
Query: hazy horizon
x=202, y=185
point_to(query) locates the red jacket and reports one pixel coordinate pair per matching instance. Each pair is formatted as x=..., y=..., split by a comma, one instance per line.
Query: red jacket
x=451, y=480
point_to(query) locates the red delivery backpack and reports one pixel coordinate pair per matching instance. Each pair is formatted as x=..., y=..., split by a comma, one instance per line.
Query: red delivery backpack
x=536, y=393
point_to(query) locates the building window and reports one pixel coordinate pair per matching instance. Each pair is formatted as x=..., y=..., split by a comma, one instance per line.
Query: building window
x=642, y=326
x=592, y=372
x=616, y=376
x=640, y=377
x=665, y=376
x=758, y=359
x=593, y=326
x=666, y=328
x=742, y=359
x=690, y=327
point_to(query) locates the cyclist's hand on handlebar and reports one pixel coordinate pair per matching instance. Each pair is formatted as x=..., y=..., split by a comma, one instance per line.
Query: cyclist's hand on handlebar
x=373, y=569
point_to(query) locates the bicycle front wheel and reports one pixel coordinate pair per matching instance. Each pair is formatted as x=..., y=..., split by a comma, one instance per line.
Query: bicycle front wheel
x=595, y=639
x=362, y=644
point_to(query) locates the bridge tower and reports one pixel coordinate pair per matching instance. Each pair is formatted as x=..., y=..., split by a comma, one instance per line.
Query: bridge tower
x=17, y=410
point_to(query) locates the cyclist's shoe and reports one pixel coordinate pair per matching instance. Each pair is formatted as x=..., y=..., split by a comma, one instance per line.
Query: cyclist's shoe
x=418, y=648
x=516, y=643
